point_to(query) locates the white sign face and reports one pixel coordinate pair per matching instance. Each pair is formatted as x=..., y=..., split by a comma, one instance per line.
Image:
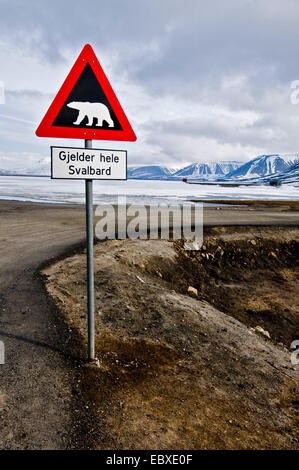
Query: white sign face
x=78, y=163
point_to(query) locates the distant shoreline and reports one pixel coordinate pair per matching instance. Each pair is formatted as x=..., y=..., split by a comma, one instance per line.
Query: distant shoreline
x=145, y=192
x=252, y=202
x=235, y=212
x=225, y=183
x=28, y=176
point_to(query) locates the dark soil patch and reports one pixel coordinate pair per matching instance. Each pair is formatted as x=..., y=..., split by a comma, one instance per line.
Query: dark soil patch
x=173, y=372
x=252, y=278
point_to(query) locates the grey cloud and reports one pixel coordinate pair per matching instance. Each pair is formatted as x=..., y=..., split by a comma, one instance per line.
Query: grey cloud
x=27, y=94
x=237, y=55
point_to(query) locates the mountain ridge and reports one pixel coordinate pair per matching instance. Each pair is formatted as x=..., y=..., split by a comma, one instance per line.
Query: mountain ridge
x=259, y=169
x=265, y=165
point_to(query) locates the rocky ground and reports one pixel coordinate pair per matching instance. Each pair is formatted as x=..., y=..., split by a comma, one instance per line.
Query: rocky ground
x=193, y=347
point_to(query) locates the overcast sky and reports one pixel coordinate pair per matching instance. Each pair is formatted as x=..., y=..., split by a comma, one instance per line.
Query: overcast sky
x=198, y=80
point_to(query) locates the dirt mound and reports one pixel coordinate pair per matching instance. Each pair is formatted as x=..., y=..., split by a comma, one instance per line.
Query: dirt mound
x=174, y=371
x=252, y=275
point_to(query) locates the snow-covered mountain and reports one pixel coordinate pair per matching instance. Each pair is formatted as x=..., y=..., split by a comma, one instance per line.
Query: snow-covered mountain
x=264, y=165
x=42, y=168
x=203, y=171
x=150, y=172
x=207, y=170
x=290, y=176
x=258, y=170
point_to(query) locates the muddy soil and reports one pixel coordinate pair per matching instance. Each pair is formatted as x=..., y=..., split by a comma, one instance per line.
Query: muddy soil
x=249, y=273
x=185, y=371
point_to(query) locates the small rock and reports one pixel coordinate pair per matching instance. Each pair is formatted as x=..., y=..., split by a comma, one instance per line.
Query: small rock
x=192, y=290
x=192, y=245
x=261, y=331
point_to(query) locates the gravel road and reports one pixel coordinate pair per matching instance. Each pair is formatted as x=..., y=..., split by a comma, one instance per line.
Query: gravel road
x=38, y=406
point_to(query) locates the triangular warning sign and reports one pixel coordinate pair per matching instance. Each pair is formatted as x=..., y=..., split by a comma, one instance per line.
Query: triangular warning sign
x=86, y=106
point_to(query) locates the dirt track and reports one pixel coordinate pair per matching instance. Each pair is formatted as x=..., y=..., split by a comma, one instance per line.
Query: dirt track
x=37, y=404
x=40, y=404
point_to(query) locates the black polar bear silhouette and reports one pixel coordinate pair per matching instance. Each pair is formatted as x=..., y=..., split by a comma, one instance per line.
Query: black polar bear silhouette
x=91, y=110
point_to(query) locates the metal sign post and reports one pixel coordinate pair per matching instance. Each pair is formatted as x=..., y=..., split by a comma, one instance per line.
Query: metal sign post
x=89, y=164
x=86, y=107
x=89, y=256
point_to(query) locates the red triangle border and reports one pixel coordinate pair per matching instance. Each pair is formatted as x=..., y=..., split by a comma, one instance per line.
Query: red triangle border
x=45, y=129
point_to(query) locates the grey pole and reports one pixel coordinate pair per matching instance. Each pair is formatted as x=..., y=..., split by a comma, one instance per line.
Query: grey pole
x=90, y=268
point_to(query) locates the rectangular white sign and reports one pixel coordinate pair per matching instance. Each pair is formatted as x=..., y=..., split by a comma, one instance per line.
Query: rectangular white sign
x=81, y=163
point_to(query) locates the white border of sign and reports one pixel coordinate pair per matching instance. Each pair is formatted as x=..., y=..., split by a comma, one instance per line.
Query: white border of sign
x=122, y=154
